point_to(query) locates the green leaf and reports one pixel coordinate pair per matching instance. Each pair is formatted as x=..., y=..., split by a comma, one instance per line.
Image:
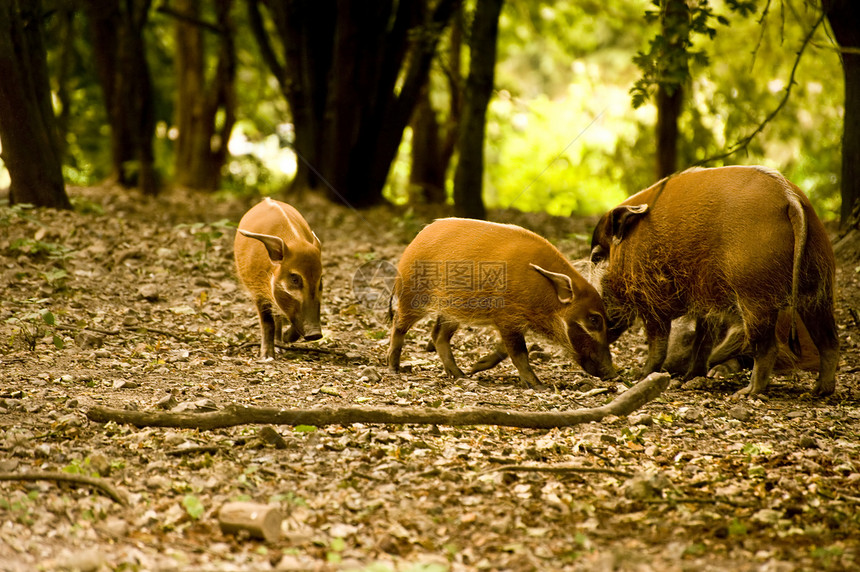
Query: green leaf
x=58, y=342
x=737, y=528
x=48, y=317
x=193, y=506
x=304, y=428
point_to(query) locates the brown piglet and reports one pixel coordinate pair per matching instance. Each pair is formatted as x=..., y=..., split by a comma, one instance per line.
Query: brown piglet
x=489, y=274
x=279, y=262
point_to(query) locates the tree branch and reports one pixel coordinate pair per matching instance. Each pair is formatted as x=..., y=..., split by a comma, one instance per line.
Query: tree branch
x=233, y=415
x=560, y=469
x=744, y=142
x=258, y=29
x=95, y=482
x=188, y=19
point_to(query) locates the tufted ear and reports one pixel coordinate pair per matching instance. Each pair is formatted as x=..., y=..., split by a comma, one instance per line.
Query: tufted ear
x=622, y=219
x=275, y=245
x=561, y=282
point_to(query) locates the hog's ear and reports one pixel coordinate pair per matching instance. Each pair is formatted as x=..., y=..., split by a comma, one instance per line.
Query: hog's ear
x=561, y=282
x=622, y=219
x=274, y=244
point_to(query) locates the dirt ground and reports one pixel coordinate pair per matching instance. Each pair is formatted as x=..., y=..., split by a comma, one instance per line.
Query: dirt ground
x=132, y=303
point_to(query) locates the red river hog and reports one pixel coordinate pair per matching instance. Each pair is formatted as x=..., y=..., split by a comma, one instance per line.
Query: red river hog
x=278, y=261
x=500, y=275
x=727, y=241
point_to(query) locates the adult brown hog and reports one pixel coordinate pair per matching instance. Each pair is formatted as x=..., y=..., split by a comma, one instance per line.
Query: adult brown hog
x=498, y=275
x=278, y=260
x=742, y=241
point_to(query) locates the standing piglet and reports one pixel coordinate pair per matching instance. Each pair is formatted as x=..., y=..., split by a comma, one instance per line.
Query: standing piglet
x=717, y=243
x=278, y=260
x=499, y=275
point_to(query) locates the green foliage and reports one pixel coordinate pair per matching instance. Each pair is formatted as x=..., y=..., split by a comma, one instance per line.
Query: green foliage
x=39, y=248
x=31, y=328
x=10, y=214
x=335, y=547
x=667, y=62
x=193, y=506
x=737, y=528
x=19, y=507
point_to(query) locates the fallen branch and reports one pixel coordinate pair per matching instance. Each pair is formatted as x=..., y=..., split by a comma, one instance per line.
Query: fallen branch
x=290, y=348
x=95, y=482
x=623, y=405
x=691, y=500
x=182, y=337
x=559, y=469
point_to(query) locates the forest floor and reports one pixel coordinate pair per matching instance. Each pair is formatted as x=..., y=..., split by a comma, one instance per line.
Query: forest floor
x=132, y=303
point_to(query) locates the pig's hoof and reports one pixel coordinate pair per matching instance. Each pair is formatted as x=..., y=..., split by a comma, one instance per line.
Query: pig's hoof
x=454, y=372
x=719, y=372
x=824, y=389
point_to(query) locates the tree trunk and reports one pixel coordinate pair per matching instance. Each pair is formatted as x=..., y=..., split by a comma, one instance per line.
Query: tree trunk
x=65, y=32
x=427, y=171
x=844, y=18
x=468, y=177
x=28, y=130
x=433, y=141
x=351, y=82
x=675, y=25
x=205, y=109
x=120, y=58
x=306, y=32
x=669, y=100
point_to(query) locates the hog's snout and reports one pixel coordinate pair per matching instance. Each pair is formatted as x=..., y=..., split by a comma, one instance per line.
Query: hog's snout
x=601, y=369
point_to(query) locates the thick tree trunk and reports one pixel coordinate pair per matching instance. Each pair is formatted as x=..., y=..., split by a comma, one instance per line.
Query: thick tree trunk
x=469, y=175
x=351, y=82
x=434, y=141
x=427, y=172
x=28, y=130
x=205, y=108
x=668, y=112
x=305, y=31
x=120, y=54
x=844, y=18
x=675, y=24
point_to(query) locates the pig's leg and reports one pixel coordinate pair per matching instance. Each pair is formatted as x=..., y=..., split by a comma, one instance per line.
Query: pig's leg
x=763, y=342
x=443, y=347
x=279, y=327
x=400, y=325
x=731, y=345
x=491, y=360
x=289, y=336
x=725, y=368
x=657, y=334
x=702, y=344
x=431, y=345
x=267, y=330
x=822, y=330
x=515, y=345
